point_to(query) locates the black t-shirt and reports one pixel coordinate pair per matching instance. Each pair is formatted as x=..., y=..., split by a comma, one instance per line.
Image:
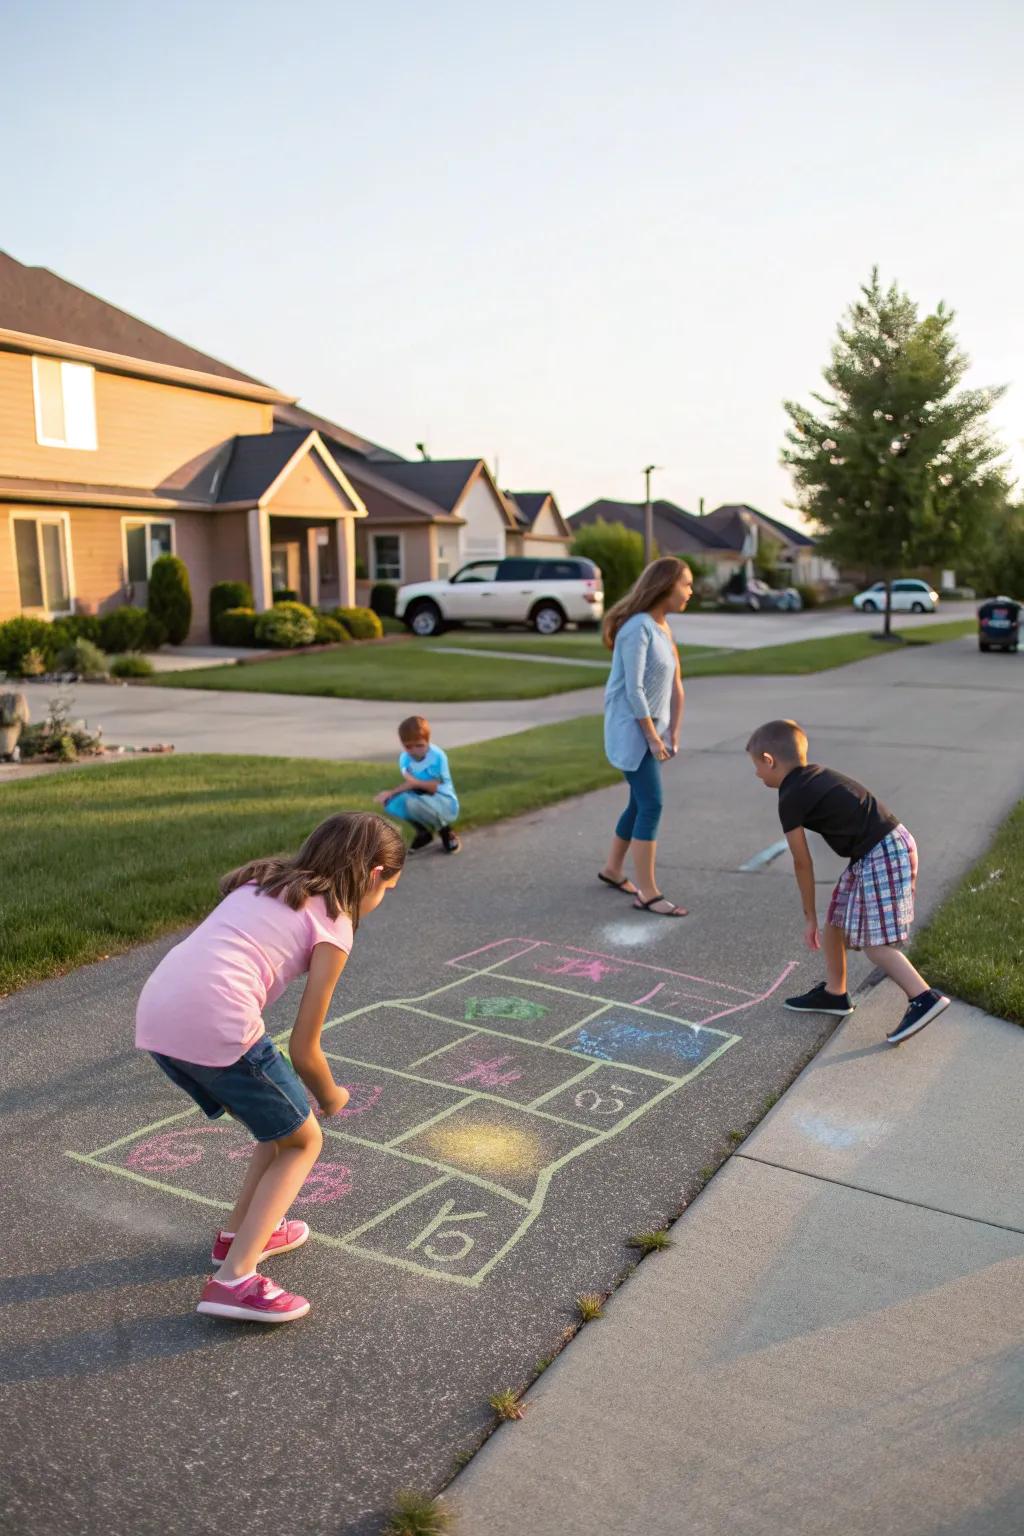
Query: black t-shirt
x=846, y=814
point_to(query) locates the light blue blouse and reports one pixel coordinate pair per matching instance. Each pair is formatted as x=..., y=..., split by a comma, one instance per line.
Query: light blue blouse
x=639, y=686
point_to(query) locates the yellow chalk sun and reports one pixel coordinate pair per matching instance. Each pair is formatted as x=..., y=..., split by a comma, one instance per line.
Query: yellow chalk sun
x=485, y=1148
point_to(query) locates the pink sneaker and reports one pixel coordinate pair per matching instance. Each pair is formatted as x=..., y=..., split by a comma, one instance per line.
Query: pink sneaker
x=257, y=1300
x=289, y=1235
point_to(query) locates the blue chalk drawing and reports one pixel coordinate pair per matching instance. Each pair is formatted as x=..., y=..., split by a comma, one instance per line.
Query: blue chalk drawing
x=616, y=1038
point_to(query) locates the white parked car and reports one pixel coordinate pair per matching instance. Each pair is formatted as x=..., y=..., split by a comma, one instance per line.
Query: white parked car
x=909, y=596
x=548, y=594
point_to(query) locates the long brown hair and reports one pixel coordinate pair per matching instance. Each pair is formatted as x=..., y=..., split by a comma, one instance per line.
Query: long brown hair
x=650, y=588
x=336, y=862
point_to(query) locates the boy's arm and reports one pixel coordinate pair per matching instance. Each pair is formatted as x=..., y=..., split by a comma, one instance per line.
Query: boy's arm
x=803, y=868
x=308, y=1059
x=422, y=786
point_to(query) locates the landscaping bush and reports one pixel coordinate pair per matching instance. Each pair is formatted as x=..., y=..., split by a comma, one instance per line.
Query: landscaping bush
x=83, y=658
x=361, y=623
x=811, y=596
x=21, y=635
x=383, y=598
x=360, y=568
x=330, y=631
x=170, y=597
x=617, y=551
x=225, y=595
x=285, y=595
x=124, y=629
x=77, y=626
x=237, y=626
x=33, y=663
x=286, y=625
x=131, y=666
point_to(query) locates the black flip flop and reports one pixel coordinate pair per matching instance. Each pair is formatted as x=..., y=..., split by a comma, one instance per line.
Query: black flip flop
x=646, y=906
x=619, y=885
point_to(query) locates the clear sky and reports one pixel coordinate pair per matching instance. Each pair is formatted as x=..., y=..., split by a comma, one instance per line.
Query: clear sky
x=579, y=237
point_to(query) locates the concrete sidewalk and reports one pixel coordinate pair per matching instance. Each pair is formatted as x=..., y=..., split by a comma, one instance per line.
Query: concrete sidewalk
x=834, y=1342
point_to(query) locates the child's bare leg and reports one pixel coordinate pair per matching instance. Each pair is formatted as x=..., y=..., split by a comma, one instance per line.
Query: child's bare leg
x=615, y=868
x=281, y=1180
x=897, y=967
x=263, y=1155
x=833, y=943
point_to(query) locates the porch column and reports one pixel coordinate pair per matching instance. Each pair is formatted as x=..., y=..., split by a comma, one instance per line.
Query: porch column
x=259, y=558
x=313, y=566
x=345, y=553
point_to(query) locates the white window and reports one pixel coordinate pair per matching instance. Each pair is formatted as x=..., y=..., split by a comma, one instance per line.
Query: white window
x=42, y=558
x=387, y=557
x=145, y=540
x=65, y=403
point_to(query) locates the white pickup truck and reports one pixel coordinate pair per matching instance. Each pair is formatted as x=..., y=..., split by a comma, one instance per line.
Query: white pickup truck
x=547, y=594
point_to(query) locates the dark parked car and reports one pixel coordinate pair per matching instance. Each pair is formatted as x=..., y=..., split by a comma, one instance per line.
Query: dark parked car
x=759, y=597
x=999, y=624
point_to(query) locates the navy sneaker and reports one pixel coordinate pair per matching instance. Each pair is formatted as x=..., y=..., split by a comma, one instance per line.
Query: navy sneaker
x=450, y=841
x=423, y=839
x=820, y=1000
x=923, y=1008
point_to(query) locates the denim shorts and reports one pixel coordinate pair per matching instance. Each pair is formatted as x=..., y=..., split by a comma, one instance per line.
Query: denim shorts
x=260, y=1089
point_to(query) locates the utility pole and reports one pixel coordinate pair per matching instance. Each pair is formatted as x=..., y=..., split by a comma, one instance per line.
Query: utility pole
x=648, y=515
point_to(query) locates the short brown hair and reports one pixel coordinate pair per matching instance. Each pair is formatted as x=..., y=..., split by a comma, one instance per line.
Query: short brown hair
x=414, y=729
x=782, y=739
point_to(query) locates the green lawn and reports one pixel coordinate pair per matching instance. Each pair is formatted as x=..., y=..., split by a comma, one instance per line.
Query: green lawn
x=974, y=945
x=400, y=670
x=98, y=859
x=816, y=655
x=585, y=647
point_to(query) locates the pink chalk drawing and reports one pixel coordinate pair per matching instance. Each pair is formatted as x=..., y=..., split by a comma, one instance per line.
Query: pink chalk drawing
x=325, y=1183
x=591, y=970
x=361, y=1097
x=488, y=1075
x=172, y=1150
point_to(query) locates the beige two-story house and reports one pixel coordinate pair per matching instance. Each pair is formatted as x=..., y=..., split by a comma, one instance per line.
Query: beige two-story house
x=119, y=443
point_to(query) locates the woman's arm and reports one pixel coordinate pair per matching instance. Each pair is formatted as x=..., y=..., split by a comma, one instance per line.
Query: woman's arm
x=634, y=663
x=678, y=706
x=308, y=1059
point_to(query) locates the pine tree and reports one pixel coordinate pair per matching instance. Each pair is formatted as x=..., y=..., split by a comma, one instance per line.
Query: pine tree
x=898, y=469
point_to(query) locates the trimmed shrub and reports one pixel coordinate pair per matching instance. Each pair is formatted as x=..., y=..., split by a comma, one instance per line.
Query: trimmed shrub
x=360, y=568
x=124, y=629
x=225, y=595
x=77, y=626
x=33, y=663
x=21, y=635
x=83, y=658
x=170, y=597
x=616, y=550
x=361, y=623
x=382, y=599
x=329, y=631
x=811, y=596
x=237, y=626
x=286, y=625
x=131, y=666
x=285, y=595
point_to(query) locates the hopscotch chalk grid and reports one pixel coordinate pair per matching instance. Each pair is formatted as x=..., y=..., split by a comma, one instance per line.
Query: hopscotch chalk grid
x=466, y=1102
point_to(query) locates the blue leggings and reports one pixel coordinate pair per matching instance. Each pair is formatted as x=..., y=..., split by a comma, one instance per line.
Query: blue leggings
x=639, y=821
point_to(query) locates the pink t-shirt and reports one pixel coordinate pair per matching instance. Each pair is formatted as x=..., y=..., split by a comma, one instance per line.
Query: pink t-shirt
x=204, y=1002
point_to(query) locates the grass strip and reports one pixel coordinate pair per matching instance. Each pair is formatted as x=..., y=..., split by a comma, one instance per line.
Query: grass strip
x=974, y=945
x=98, y=859
x=399, y=671
x=800, y=656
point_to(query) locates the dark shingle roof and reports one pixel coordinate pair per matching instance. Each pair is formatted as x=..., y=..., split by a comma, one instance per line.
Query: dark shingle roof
x=441, y=481
x=39, y=303
x=528, y=504
x=386, y=501
x=676, y=532
x=255, y=462
x=331, y=432
x=728, y=521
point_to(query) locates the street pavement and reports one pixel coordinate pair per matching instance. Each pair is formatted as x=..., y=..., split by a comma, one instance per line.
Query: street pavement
x=480, y=1182
x=741, y=631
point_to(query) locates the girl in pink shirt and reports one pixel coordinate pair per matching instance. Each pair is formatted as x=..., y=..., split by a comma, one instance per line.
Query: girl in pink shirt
x=200, y=1016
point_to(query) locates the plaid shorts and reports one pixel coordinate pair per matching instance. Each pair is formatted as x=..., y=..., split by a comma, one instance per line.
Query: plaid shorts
x=873, y=902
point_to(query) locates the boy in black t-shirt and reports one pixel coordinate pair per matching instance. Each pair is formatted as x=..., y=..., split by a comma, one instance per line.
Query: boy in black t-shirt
x=872, y=906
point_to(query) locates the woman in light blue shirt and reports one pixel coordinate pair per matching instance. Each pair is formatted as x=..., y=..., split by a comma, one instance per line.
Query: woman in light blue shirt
x=643, y=713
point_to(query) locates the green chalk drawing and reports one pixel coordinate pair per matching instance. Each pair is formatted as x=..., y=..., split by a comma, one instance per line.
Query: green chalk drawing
x=519, y=1008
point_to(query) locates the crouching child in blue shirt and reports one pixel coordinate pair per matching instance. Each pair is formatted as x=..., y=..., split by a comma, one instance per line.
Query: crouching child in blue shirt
x=426, y=797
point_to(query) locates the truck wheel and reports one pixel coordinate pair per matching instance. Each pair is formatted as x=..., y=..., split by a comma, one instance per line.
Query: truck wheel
x=425, y=620
x=547, y=619
x=983, y=645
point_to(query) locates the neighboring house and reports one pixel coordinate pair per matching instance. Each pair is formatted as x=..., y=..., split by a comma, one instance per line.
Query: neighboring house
x=119, y=443
x=426, y=517
x=744, y=527
x=727, y=540
x=542, y=530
